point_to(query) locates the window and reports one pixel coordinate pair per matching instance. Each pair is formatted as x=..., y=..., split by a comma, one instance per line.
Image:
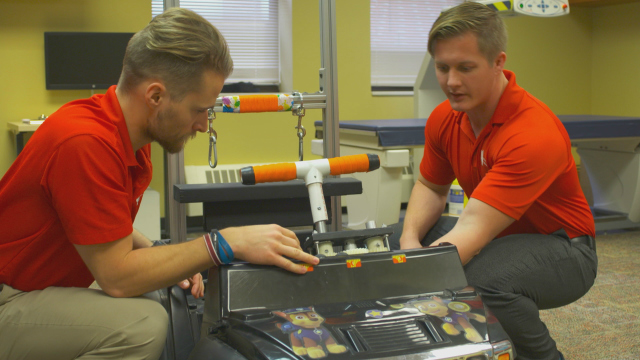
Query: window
x=399, y=35
x=251, y=29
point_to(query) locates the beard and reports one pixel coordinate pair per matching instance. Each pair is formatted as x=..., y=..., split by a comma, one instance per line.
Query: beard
x=165, y=133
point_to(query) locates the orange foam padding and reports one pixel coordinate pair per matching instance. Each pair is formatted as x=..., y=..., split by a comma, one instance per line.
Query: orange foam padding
x=275, y=172
x=258, y=103
x=349, y=164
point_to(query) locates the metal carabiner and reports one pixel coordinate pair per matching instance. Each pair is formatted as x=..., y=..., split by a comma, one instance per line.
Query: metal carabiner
x=300, y=112
x=213, y=137
x=301, y=133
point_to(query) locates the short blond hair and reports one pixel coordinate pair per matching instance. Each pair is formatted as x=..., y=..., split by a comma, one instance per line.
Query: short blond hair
x=177, y=46
x=471, y=17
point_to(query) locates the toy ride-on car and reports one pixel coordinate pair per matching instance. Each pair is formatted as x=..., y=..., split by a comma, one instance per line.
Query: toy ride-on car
x=362, y=301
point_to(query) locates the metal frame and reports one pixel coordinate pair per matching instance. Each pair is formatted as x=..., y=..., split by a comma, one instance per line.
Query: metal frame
x=175, y=212
x=329, y=86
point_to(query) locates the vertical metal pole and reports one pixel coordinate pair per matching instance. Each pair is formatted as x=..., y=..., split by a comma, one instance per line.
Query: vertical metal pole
x=329, y=86
x=171, y=3
x=175, y=213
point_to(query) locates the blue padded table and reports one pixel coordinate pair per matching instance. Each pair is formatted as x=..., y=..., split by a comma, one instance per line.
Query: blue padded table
x=399, y=144
x=393, y=132
x=609, y=149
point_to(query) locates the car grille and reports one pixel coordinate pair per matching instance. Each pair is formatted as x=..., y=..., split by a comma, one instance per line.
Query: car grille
x=392, y=335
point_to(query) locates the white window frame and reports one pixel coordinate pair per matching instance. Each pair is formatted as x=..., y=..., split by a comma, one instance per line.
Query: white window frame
x=285, y=81
x=399, y=32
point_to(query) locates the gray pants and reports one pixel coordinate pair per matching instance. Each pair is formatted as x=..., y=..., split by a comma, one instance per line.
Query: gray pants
x=78, y=323
x=518, y=275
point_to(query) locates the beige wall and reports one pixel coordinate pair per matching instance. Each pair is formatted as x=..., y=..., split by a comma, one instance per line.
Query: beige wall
x=22, y=23
x=572, y=63
x=615, y=74
x=552, y=59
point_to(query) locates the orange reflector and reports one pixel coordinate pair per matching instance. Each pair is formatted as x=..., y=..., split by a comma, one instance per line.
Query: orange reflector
x=399, y=259
x=308, y=266
x=353, y=263
x=504, y=356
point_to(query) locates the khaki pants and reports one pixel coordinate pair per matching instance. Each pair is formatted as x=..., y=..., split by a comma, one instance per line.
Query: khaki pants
x=77, y=323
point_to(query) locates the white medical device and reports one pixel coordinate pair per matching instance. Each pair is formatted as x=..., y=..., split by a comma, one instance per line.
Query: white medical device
x=540, y=8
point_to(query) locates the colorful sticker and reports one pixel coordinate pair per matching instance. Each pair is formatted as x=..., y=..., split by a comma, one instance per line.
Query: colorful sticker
x=459, y=306
x=354, y=263
x=307, y=335
x=231, y=104
x=376, y=314
x=285, y=102
x=454, y=314
x=399, y=259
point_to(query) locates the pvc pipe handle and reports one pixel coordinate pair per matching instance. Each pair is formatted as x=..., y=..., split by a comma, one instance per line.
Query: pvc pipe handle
x=289, y=171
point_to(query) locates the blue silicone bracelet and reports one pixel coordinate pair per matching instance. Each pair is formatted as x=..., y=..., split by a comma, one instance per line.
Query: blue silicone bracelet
x=225, y=248
x=221, y=254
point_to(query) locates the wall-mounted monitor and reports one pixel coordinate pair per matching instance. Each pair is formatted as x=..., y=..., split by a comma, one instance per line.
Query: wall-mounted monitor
x=83, y=60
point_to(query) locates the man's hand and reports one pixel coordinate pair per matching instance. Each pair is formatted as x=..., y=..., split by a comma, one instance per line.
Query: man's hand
x=409, y=243
x=478, y=225
x=425, y=208
x=195, y=283
x=268, y=245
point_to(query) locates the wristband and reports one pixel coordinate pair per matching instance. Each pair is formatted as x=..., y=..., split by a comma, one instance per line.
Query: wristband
x=223, y=255
x=211, y=248
x=158, y=243
x=223, y=248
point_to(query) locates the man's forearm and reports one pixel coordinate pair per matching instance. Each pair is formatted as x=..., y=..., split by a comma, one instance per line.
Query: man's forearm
x=122, y=271
x=424, y=209
x=478, y=225
x=147, y=269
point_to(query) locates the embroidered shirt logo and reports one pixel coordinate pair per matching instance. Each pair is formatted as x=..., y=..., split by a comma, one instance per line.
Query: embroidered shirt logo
x=138, y=200
x=483, y=161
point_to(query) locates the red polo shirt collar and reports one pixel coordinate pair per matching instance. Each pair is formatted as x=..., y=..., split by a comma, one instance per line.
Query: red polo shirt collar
x=507, y=107
x=509, y=101
x=112, y=109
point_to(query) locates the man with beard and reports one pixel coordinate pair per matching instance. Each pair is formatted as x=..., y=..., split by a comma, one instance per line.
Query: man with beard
x=68, y=202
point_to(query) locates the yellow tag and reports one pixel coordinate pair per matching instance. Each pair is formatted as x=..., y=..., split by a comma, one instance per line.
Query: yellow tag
x=399, y=259
x=353, y=263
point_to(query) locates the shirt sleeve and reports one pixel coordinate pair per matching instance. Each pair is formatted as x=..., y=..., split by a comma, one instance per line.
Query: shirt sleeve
x=524, y=168
x=87, y=182
x=435, y=166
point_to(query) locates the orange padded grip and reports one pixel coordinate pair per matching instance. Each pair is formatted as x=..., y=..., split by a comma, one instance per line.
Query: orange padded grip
x=349, y=164
x=258, y=103
x=275, y=172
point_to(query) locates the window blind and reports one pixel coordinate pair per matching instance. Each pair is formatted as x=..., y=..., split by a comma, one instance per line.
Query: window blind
x=399, y=35
x=251, y=30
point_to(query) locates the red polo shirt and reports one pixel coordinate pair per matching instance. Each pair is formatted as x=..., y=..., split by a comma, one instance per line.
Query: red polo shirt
x=77, y=181
x=521, y=163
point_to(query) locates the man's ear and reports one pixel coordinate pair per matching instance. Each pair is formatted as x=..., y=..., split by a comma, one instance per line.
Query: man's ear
x=155, y=94
x=500, y=60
